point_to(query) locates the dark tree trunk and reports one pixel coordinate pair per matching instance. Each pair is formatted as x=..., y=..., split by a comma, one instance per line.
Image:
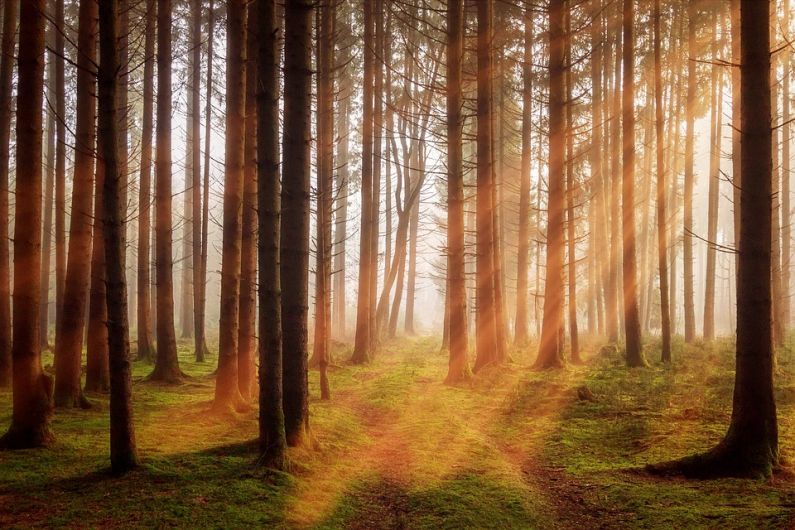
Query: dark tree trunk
x=272, y=440
x=97, y=370
x=146, y=351
x=227, y=390
x=69, y=342
x=123, y=454
x=571, y=189
x=295, y=222
x=10, y=10
x=750, y=447
x=32, y=389
x=46, y=235
x=166, y=362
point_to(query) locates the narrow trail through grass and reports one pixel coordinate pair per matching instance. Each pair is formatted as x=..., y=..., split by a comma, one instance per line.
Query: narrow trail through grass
x=396, y=448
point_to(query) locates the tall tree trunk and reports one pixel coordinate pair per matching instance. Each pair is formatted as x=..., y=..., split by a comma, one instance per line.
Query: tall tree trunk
x=750, y=447
x=614, y=287
x=325, y=169
x=571, y=189
x=199, y=344
x=295, y=223
x=736, y=119
x=362, y=342
x=411, y=273
x=10, y=10
x=520, y=335
x=123, y=454
x=146, y=351
x=32, y=388
x=634, y=351
x=166, y=362
x=550, y=350
x=344, y=89
x=60, y=167
x=97, y=369
x=227, y=390
x=186, y=275
x=69, y=342
x=714, y=190
x=46, y=236
x=662, y=189
x=200, y=305
x=378, y=126
x=778, y=319
x=246, y=338
x=486, y=335
x=458, y=366
x=692, y=82
x=272, y=442
x=786, y=165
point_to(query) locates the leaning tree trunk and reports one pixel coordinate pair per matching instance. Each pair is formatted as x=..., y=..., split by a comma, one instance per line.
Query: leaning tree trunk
x=69, y=336
x=295, y=223
x=227, y=390
x=123, y=454
x=166, y=362
x=10, y=11
x=272, y=442
x=146, y=351
x=32, y=388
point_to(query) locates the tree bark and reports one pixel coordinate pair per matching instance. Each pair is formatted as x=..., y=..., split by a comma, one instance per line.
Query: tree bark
x=634, y=352
x=10, y=10
x=32, y=388
x=146, y=350
x=662, y=190
x=227, y=390
x=485, y=316
x=247, y=338
x=550, y=350
x=69, y=342
x=272, y=442
x=362, y=342
x=458, y=366
x=166, y=363
x=123, y=453
x=295, y=222
x=692, y=82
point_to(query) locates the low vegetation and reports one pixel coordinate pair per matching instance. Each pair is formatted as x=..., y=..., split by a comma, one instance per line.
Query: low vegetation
x=396, y=448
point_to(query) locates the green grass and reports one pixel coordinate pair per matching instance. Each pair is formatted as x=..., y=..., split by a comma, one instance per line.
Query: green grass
x=395, y=448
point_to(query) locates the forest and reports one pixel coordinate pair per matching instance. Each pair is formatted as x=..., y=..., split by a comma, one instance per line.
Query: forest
x=397, y=264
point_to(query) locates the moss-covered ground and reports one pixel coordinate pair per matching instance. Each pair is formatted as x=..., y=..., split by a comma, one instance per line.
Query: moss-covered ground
x=395, y=448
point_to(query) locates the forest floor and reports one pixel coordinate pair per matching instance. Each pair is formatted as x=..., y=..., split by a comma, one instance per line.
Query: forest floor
x=395, y=448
